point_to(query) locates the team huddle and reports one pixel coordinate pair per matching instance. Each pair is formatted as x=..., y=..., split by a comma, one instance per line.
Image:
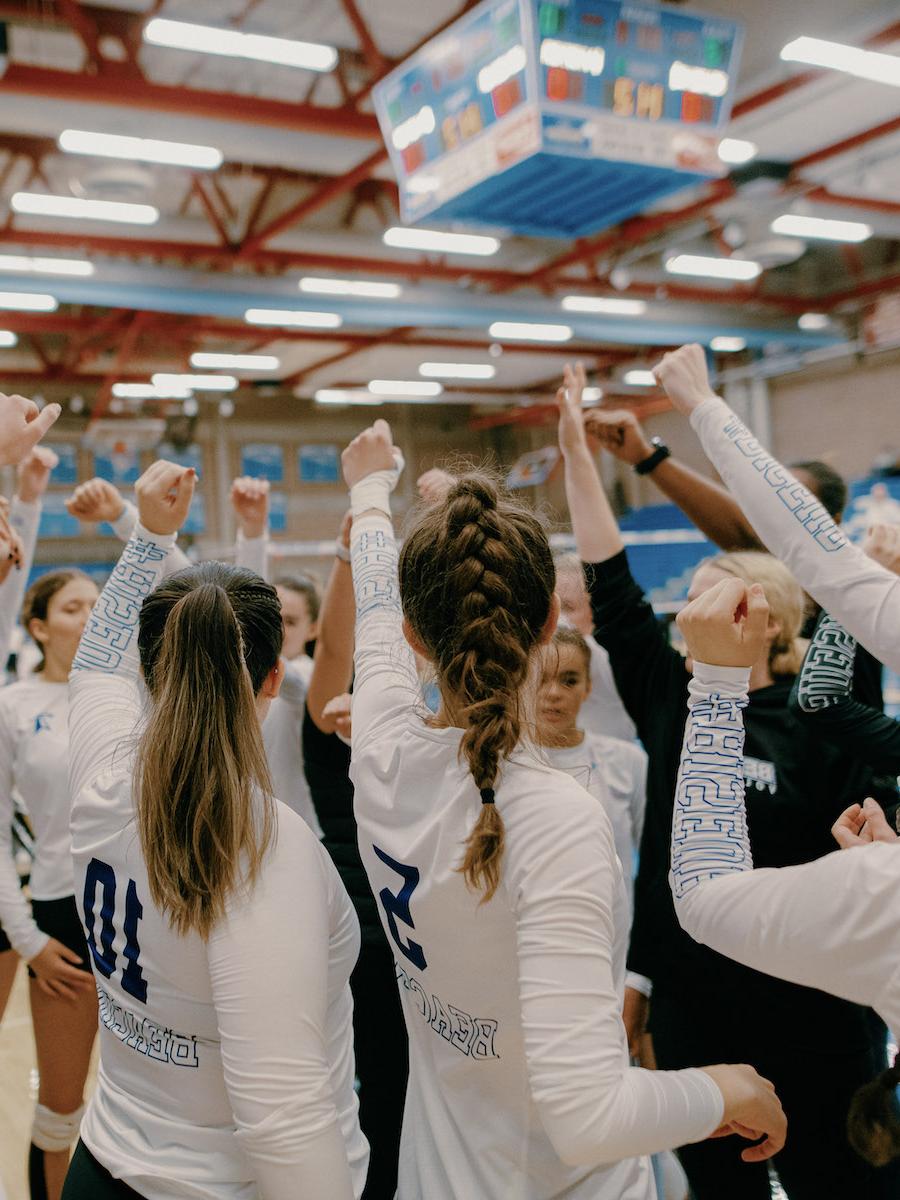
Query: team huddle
x=458, y=881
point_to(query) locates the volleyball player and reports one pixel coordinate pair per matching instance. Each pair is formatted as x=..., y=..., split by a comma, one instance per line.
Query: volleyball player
x=221, y=937
x=829, y=924
x=859, y=593
x=47, y=933
x=496, y=876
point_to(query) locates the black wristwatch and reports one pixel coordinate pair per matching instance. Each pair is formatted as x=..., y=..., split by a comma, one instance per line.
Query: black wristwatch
x=660, y=453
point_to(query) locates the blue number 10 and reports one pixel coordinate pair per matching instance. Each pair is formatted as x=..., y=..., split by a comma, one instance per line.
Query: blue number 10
x=133, y=981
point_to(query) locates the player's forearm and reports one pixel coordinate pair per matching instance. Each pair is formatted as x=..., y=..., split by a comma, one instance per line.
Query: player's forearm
x=711, y=507
x=596, y=531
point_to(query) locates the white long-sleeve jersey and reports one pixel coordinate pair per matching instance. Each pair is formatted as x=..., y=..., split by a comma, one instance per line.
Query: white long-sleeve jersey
x=829, y=924
x=519, y=1083
x=25, y=519
x=860, y=594
x=226, y=1065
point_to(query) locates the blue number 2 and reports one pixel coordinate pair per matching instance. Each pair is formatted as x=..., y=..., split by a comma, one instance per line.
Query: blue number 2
x=398, y=906
x=133, y=981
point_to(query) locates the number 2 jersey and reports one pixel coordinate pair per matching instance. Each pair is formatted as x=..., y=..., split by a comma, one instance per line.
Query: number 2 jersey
x=226, y=1065
x=519, y=1086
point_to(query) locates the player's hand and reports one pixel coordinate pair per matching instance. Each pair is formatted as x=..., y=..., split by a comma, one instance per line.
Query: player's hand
x=34, y=473
x=250, y=501
x=370, y=451
x=56, y=976
x=94, y=501
x=572, y=437
x=435, y=484
x=618, y=431
x=22, y=425
x=684, y=375
x=635, y=1012
x=861, y=825
x=882, y=545
x=164, y=494
x=726, y=626
x=336, y=715
x=11, y=549
x=752, y=1110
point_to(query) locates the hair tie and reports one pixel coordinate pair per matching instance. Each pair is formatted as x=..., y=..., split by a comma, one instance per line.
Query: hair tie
x=487, y=795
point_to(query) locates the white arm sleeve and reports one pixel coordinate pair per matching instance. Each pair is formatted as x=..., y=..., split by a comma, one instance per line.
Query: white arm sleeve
x=386, y=678
x=25, y=519
x=124, y=525
x=594, y=1107
x=274, y=1055
x=104, y=702
x=829, y=924
x=15, y=911
x=253, y=553
x=295, y=683
x=860, y=594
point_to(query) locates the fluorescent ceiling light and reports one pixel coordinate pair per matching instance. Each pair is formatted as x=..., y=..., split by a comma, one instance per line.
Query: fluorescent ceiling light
x=523, y=331
x=573, y=57
x=866, y=64
x=504, y=67
x=591, y=395
x=639, y=378
x=404, y=387
x=797, y=225
x=345, y=396
x=26, y=263
x=8, y=339
x=404, y=238
x=706, y=266
x=452, y=370
x=195, y=383
x=291, y=318
x=149, y=391
x=235, y=362
x=137, y=149
x=208, y=39
x=812, y=321
x=349, y=287
x=737, y=150
x=28, y=302
x=604, y=304
x=728, y=345
x=40, y=205
x=414, y=128
x=704, y=81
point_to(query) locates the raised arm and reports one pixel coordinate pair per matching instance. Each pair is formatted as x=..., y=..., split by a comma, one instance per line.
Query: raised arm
x=386, y=679
x=98, y=500
x=711, y=507
x=250, y=501
x=333, y=655
x=24, y=520
x=824, y=924
x=860, y=594
x=104, y=703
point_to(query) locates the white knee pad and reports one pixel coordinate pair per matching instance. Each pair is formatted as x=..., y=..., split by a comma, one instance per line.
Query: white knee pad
x=52, y=1131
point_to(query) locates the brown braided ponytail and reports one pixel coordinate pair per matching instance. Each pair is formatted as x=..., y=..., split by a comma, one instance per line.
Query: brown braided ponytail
x=476, y=581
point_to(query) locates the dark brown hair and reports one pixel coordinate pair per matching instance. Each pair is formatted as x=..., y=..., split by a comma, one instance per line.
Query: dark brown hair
x=303, y=585
x=873, y=1122
x=36, y=604
x=476, y=584
x=208, y=638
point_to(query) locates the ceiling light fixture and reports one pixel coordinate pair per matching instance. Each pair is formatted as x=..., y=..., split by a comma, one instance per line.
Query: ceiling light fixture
x=138, y=149
x=28, y=302
x=291, y=318
x=604, y=304
x=349, y=287
x=812, y=321
x=39, y=204
x=524, y=331
x=209, y=39
x=8, y=339
x=345, y=396
x=452, y=370
x=402, y=237
x=639, y=378
x=149, y=391
x=27, y=264
x=865, y=64
x=235, y=362
x=195, y=383
x=709, y=267
x=404, y=387
x=737, y=150
x=798, y=225
x=728, y=345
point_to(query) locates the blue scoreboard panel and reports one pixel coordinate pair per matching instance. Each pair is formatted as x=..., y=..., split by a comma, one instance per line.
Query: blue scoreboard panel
x=558, y=117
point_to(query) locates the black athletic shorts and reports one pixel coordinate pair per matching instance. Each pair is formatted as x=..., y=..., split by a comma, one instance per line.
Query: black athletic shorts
x=89, y=1180
x=61, y=920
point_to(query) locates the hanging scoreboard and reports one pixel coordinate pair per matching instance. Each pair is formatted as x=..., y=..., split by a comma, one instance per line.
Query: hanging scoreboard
x=558, y=117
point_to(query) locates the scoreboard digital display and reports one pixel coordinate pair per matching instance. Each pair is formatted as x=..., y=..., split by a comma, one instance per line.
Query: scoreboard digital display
x=608, y=81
